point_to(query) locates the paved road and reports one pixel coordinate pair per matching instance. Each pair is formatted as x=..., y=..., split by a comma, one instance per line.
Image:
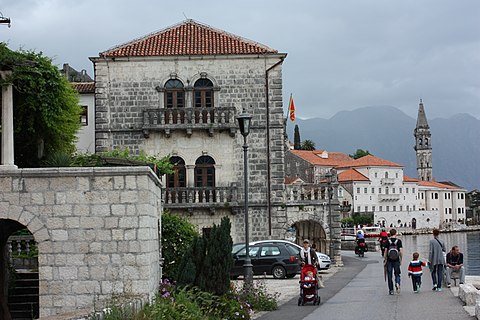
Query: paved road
x=358, y=291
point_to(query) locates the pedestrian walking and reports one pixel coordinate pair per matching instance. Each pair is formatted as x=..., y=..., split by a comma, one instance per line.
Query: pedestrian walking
x=392, y=261
x=415, y=271
x=436, y=259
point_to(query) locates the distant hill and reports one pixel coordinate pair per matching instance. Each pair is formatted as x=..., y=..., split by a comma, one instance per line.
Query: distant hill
x=387, y=133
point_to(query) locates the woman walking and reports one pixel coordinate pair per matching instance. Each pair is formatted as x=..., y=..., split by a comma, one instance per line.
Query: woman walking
x=437, y=260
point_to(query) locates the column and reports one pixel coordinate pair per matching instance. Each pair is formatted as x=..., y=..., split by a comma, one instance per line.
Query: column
x=7, y=125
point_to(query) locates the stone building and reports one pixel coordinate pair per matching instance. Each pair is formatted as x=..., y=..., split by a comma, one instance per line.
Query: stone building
x=177, y=92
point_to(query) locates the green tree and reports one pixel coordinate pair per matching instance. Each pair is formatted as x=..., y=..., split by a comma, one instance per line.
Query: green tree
x=177, y=236
x=218, y=259
x=46, y=109
x=308, y=145
x=359, y=153
x=296, y=138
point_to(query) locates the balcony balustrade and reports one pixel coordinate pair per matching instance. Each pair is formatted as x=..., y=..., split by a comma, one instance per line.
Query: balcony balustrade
x=388, y=197
x=387, y=181
x=200, y=197
x=307, y=193
x=189, y=119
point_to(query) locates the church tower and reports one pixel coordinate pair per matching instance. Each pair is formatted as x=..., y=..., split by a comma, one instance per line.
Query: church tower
x=423, y=146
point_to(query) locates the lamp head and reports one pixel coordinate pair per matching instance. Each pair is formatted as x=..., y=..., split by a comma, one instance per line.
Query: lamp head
x=244, y=121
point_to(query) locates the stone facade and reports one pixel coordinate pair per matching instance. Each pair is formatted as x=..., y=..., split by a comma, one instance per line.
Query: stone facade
x=126, y=88
x=97, y=231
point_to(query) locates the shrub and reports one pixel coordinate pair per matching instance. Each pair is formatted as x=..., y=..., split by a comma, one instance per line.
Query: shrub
x=177, y=236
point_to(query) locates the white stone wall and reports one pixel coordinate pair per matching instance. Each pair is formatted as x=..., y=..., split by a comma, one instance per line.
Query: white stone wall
x=97, y=231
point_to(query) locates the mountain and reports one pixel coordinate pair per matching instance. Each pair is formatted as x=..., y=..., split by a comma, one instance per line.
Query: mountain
x=387, y=132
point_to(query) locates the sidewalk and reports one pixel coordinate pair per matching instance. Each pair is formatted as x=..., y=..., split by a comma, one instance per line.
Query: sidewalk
x=359, y=291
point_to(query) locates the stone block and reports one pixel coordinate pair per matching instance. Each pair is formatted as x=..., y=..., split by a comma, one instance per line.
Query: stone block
x=59, y=235
x=468, y=294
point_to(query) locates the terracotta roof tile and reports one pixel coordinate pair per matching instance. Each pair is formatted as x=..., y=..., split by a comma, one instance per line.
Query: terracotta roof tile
x=435, y=184
x=84, y=87
x=371, y=161
x=351, y=175
x=328, y=159
x=188, y=38
x=409, y=179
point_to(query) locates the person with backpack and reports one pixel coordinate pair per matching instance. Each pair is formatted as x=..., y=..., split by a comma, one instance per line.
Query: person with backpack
x=383, y=239
x=392, y=260
x=437, y=260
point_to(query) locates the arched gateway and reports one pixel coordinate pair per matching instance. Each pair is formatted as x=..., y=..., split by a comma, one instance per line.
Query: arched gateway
x=97, y=231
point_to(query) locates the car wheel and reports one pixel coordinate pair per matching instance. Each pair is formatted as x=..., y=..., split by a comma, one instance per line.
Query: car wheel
x=290, y=276
x=278, y=272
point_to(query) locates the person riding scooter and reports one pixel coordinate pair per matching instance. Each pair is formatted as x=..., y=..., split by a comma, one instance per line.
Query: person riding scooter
x=361, y=246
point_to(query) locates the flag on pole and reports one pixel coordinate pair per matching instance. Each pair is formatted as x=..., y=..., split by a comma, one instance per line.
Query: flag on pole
x=291, y=109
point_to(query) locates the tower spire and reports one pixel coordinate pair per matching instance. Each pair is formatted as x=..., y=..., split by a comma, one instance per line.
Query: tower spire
x=423, y=145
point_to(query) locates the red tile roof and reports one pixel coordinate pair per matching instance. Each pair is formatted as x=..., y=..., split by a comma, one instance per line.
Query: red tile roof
x=188, y=38
x=409, y=179
x=293, y=180
x=435, y=184
x=371, y=161
x=351, y=175
x=315, y=157
x=84, y=87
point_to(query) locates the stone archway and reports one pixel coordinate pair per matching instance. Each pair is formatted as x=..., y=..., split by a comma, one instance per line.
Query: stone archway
x=7, y=228
x=314, y=232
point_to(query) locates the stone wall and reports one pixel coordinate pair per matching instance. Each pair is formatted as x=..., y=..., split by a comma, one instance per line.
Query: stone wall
x=125, y=88
x=97, y=231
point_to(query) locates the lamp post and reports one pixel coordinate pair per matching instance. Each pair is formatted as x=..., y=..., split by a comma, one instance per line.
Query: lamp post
x=244, y=120
x=329, y=177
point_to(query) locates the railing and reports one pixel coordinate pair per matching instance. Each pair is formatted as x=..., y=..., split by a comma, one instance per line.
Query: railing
x=21, y=249
x=387, y=181
x=198, y=197
x=188, y=119
x=308, y=192
x=388, y=197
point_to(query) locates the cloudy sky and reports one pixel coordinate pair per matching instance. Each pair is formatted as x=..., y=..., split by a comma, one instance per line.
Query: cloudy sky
x=342, y=54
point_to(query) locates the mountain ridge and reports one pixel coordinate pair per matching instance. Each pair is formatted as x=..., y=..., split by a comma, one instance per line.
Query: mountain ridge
x=387, y=132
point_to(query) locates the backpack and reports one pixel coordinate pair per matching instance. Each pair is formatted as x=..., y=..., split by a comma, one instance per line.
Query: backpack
x=392, y=252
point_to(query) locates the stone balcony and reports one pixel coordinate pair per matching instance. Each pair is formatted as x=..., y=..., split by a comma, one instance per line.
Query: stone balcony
x=308, y=193
x=387, y=181
x=189, y=119
x=388, y=197
x=194, y=197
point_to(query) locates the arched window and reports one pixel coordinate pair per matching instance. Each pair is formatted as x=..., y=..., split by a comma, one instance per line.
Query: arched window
x=386, y=174
x=205, y=172
x=426, y=142
x=205, y=178
x=174, y=94
x=179, y=176
x=203, y=93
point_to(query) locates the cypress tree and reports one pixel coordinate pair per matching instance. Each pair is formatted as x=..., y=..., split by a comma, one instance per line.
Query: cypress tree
x=296, y=138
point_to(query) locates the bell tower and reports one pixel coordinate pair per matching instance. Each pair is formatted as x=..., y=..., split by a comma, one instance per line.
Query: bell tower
x=423, y=146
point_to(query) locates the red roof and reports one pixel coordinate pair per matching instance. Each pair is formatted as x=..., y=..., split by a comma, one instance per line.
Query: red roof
x=315, y=157
x=409, y=179
x=84, y=87
x=351, y=175
x=188, y=38
x=371, y=161
x=435, y=184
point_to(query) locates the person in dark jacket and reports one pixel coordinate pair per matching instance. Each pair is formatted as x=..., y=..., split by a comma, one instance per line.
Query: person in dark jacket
x=455, y=264
x=437, y=260
x=308, y=255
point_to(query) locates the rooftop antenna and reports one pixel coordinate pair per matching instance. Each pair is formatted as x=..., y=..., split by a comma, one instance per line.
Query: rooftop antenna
x=185, y=16
x=4, y=19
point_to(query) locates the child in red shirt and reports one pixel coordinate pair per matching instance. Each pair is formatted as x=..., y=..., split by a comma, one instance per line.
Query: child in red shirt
x=415, y=271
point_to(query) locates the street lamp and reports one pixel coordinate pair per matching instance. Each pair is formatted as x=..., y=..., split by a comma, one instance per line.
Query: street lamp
x=329, y=176
x=244, y=120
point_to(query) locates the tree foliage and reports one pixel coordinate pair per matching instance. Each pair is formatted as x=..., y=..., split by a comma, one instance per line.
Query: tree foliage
x=296, y=138
x=360, y=153
x=208, y=262
x=177, y=236
x=308, y=145
x=46, y=109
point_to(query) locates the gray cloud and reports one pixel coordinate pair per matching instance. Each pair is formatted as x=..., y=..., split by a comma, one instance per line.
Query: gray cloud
x=341, y=54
